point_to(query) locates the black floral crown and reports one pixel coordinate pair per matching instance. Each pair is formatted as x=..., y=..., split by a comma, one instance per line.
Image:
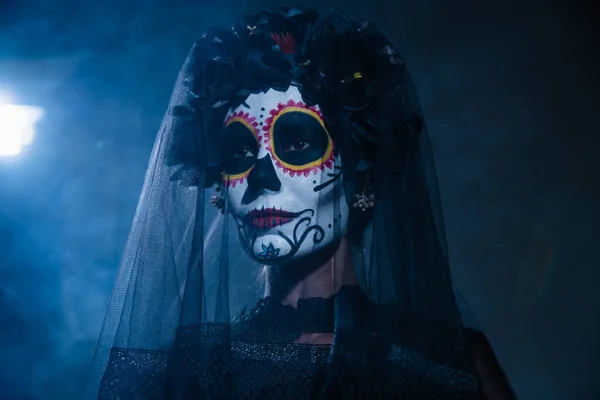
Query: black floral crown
x=348, y=68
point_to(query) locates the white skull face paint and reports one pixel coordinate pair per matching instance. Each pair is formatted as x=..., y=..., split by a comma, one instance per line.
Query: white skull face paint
x=283, y=179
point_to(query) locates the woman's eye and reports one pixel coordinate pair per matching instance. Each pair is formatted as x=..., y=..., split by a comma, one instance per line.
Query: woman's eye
x=243, y=153
x=298, y=145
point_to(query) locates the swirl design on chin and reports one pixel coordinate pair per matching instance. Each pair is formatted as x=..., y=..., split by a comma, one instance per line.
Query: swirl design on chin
x=295, y=242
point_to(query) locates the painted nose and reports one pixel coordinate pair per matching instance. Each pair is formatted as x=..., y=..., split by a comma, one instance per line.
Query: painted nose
x=262, y=178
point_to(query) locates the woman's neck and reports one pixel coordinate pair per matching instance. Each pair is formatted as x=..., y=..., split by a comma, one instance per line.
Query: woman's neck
x=321, y=275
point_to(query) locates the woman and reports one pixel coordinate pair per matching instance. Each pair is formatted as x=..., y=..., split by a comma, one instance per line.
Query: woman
x=318, y=269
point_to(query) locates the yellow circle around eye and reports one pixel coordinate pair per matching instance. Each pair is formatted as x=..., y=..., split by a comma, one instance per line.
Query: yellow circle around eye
x=243, y=121
x=234, y=177
x=312, y=164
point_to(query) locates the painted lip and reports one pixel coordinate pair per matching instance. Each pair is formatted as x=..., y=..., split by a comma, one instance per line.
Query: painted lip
x=267, y=218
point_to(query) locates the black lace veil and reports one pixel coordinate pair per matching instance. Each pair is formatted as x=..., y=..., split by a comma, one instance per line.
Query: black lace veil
x=189, y=315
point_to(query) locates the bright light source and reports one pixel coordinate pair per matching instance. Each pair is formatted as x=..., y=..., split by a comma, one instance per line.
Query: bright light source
x=17, y=127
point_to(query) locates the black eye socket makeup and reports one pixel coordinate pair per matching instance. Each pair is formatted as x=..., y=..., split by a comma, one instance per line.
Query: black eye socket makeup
x=299, y=138
x=239, y=150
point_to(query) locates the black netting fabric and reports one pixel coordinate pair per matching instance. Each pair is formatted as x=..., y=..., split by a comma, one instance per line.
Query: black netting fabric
x=288, y=242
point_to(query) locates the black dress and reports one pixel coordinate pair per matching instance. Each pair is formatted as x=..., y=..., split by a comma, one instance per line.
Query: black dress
x=258, y=359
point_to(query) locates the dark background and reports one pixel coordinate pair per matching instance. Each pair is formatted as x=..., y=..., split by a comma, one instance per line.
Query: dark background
x=510, y=92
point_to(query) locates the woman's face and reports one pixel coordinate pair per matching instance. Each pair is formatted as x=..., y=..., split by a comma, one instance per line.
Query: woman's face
x=283, y=179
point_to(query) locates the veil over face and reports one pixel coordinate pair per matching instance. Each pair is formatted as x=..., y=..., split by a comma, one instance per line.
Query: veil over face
x=319, y=268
